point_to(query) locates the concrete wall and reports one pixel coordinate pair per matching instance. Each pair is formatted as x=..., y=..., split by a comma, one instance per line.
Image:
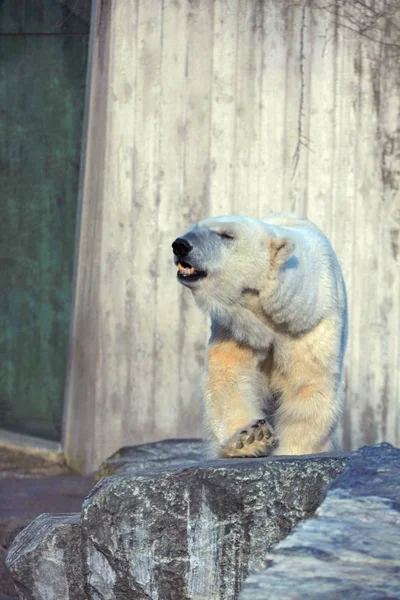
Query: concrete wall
x=212, y=107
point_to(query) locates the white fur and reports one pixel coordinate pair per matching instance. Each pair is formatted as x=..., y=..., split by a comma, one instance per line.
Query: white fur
x=277, y=301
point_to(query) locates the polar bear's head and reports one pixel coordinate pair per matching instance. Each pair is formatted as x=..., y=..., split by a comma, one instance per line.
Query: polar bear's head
x=220, y=258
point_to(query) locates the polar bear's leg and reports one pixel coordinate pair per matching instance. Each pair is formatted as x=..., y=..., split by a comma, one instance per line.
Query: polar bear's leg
x=234, y=401
x=311, y=391
x=305, y=423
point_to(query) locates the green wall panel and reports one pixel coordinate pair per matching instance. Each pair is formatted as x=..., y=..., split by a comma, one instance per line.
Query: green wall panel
x=42, y=85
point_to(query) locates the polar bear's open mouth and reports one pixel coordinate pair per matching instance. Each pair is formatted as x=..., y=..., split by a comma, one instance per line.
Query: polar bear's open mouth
x=189, y=273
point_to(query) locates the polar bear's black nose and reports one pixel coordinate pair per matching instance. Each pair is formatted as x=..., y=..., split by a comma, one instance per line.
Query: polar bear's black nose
x=181, y=247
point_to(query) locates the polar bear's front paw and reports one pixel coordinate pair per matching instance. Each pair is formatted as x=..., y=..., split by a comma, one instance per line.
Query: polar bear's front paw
x=258, y=439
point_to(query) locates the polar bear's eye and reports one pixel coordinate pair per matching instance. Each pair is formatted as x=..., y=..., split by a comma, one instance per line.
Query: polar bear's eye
x=225, y=235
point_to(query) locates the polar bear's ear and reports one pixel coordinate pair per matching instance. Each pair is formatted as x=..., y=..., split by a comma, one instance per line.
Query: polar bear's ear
x=280, y=250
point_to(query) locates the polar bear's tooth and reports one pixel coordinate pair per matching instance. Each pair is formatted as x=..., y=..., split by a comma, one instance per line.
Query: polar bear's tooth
x=185, y=271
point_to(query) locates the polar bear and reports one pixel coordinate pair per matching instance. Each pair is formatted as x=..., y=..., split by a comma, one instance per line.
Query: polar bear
x=275, y=293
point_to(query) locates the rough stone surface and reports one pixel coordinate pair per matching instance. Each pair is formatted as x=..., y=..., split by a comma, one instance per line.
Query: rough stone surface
x=167, y=453
x=352, y=548
x=196, y=532
x=9, y=529
x=45, y=559
x=192, y=531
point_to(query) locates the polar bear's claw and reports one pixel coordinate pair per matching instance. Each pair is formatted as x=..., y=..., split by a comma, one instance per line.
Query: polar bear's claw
x=257, y=439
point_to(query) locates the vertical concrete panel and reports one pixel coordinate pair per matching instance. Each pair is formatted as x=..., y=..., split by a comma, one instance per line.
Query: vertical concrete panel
x=319, y=143
x=389, y=234
x=85, y=380
x=343, y=204
x=246, y=144
x=223, y=106
x=297, y=101
x=215, y=107
x=139, y=407
x=272, y=123
x=366, y=367
x=117, y=284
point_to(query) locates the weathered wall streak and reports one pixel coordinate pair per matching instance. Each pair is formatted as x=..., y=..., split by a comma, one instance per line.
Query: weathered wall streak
x=213, y=107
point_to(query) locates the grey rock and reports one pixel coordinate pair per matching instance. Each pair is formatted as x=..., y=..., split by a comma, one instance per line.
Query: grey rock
x=193, y=530
x=9, y=529
x=167, y=453
x=351, y=549
x=45, y=559
x=196, y=532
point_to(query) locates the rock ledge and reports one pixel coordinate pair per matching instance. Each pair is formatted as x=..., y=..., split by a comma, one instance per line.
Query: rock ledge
x=170, y=529
x=352, y=548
